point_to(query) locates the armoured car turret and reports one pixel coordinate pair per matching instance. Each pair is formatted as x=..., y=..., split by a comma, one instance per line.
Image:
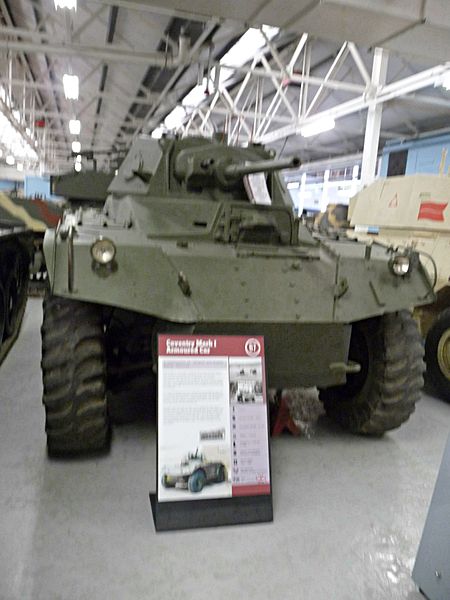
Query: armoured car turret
x=198, y=237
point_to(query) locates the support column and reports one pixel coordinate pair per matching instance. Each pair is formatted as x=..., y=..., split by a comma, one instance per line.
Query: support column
x=373, y=122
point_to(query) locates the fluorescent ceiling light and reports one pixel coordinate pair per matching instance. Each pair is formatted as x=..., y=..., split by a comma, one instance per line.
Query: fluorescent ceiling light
x=20, y=166
x=319, y=126
x=70, y=4
x=78, y=158
x=13, y=141
x=10, y=160
x=446, y=81
x=77, y=167
x=76, y=147
x=247, y=46
x=242, y=52
x=71, y=86
x=74, y=126
x=196, y=96
x=158, y=132
x=175, y=119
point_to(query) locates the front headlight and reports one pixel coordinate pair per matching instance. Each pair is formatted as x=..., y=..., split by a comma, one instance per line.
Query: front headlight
x=400, y=265
x=103, y=251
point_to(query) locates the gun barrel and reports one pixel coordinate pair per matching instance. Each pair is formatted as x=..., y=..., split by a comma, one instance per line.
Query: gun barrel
x=267, y=166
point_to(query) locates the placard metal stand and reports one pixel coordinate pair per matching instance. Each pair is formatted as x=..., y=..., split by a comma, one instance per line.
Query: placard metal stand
x=213, y=456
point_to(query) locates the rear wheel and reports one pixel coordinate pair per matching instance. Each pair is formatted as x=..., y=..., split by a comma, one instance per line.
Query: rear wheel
x=437, y=354
x=383, y=394
x=74, y=376
x=221, y=474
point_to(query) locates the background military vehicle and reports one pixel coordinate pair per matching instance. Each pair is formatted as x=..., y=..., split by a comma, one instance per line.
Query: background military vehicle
x=15, y=253
x=198, y=237
x=83, y=189
x=35, y=215
x=415, y=210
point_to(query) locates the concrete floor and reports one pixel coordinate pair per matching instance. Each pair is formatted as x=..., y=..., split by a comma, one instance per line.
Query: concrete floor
x=348, y=511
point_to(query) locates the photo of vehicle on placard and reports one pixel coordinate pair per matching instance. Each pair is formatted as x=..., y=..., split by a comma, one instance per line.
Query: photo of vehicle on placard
x=194, y=472
x=246, y=383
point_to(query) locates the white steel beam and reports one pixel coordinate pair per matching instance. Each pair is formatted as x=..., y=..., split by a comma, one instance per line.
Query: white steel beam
x=152, y=113
x=388, y=92
x=373, y=122
x=109, y=53
x=359, y=63
x=345, y=86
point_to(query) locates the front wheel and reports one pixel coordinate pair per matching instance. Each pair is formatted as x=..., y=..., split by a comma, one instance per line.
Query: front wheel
x=74, y=377
x=383, y=394
x=437, y=354
x=196, y=481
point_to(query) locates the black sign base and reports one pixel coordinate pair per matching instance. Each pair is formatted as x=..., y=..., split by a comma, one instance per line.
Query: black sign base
x=169, y=516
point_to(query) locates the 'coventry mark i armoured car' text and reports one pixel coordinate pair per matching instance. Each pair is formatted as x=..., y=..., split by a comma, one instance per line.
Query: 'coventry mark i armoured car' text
x=198, y=237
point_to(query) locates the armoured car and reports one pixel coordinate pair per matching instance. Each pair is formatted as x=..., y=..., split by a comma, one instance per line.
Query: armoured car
x=198, y=237
x=193, y=473
x=415, y=210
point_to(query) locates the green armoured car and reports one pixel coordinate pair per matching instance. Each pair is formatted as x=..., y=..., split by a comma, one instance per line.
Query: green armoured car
x=198, y=237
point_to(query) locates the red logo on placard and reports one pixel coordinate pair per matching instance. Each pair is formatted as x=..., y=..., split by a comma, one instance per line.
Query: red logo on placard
x=252, y=347
x=432, y=211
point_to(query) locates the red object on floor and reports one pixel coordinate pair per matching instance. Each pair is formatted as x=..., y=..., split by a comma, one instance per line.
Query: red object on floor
x=283, y=419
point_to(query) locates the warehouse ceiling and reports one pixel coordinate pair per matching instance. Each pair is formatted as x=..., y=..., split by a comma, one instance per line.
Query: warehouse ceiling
x=137, y=61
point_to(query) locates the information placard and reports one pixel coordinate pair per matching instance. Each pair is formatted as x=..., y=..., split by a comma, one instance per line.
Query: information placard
x=213, y=439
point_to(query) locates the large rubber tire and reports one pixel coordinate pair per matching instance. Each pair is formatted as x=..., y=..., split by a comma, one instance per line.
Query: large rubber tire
x=74, y=376
x=437, y=354
x=221, y=474
x=196, y=481
x=384, y=394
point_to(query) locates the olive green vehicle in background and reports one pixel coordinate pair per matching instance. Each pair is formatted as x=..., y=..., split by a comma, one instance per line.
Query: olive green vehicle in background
x=33, y=215
x=84, y=189
x=198, y=237
x=415, y=210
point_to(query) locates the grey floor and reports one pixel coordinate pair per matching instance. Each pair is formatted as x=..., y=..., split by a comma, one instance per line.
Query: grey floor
x=348, y=511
